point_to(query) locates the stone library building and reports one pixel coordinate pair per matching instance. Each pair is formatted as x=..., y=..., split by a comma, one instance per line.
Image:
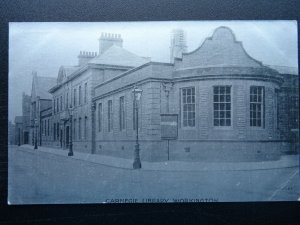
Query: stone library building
x=215, y=103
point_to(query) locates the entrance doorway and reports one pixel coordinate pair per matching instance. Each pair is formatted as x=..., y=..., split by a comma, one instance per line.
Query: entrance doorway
x=67, y=136
x=26, y=137
x=61, y=138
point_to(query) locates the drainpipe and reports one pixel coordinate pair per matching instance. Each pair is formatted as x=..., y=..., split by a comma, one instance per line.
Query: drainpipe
x=93, y=108
x=40, y=128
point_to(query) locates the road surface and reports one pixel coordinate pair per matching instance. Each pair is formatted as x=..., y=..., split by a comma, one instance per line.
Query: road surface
x=39, y=177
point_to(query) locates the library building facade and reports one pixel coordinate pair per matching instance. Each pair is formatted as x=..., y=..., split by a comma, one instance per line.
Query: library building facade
x=216, y=103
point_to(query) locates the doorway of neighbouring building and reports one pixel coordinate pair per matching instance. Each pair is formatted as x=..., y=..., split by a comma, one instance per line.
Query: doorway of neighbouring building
x=61, y=138
x=19, y=137
x=67, y=136
x=26, y=137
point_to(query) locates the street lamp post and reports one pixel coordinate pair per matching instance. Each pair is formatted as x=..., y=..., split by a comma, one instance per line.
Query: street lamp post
x=35, y=142
x=136, y=97
x=70, y=153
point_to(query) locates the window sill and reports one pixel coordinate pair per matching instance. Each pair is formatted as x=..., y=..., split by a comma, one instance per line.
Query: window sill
x=256, y=128
x=223, y=127
x=188, y=128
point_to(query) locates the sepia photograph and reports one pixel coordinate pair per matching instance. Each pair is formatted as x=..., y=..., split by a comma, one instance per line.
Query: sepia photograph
x=153, y=112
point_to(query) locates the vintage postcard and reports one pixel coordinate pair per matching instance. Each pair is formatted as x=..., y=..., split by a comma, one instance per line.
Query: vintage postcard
x=153, y=112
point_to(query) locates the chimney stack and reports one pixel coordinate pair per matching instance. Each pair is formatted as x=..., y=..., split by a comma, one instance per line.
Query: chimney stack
x=178, y=44
x=84, y=57
x=107, y=40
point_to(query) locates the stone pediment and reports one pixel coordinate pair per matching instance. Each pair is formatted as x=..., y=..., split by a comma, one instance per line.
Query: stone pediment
x=64, y=72
x=220, y=50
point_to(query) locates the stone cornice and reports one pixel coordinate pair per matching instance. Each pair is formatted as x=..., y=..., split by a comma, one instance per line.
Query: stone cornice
x=83, y=69
x=259, y=73
x=277, y=80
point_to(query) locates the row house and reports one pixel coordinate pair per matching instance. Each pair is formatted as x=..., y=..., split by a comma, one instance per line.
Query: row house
x=41, y=99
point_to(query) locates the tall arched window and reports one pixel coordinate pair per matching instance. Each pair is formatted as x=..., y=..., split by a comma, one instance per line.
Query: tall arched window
x=85, y=92
x=79, y=129
x=80, y=96
x=100, y=116
x=110, y=115
x=74, y=97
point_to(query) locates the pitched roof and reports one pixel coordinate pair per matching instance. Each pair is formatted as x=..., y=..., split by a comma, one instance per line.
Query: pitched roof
x=65, y=71
x=70, y=69
x=118, y=56
x=42, y=86
x=285, y=69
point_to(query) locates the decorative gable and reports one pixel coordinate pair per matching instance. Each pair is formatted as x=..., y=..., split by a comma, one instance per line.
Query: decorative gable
x=220, y=50
x=61, y=75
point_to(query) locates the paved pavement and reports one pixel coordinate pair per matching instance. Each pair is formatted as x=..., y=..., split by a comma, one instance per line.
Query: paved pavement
x=285, y=161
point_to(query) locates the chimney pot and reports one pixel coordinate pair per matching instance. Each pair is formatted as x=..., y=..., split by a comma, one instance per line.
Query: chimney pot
x=109, y=40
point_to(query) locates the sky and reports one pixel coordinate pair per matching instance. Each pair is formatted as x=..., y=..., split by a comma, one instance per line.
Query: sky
x=44, y=47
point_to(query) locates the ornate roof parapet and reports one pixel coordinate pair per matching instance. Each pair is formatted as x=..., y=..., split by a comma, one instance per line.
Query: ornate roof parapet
x=221, y=49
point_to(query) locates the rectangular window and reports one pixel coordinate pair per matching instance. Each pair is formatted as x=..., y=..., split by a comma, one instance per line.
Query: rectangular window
x=222, y=106
x=85, y=92
x=61, y=103
x=109, y=115
x=256, y=106
x=67, y=100
x=79, y=129
x=54, y=106
x=85, y=128
x=48, y=131
x=42, y=127
x=100, y=115
x=74, y=129
x=79, y=97
x=57, y=105
x=122, y=113
x=54, y=131
x=75, y=93
x=188, y=107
